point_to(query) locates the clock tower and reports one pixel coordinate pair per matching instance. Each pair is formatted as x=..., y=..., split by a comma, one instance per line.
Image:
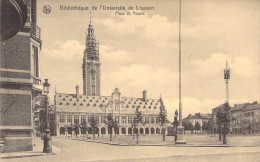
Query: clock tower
x=91, y=65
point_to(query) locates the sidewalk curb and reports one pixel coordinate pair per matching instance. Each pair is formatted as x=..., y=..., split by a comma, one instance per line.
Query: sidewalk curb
x=165, y=145
x=29, y=154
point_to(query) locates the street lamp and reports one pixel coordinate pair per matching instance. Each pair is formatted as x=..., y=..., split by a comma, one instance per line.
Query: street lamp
x=47, y=138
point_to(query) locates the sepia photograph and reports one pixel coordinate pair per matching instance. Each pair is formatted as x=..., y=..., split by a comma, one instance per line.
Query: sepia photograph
x=130, y=80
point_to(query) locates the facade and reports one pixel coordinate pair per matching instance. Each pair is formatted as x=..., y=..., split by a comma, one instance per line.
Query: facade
x=202, y=119
x=19, y=83
x=91, y=65
x=214, y=117
x=71, y=109
x=76, y=108
x=245, y=118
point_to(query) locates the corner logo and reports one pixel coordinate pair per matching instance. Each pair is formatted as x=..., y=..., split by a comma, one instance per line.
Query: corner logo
x=46, y=9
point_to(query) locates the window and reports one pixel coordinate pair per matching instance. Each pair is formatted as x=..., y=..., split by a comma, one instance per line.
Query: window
x=62, y=118
x=83, y=118
x=35, y=61
x=129, y=119
x=152, y=120
x=96, y=117
x=117, y=119
x=157, y=120
x=93, y=86
x=123, y=119
x=146, y=120
x=103, y=119
x=89, y=117
x=76, y=119
x=69, y=118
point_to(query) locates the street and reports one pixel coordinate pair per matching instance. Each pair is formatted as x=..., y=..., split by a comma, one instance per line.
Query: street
x=74, y=150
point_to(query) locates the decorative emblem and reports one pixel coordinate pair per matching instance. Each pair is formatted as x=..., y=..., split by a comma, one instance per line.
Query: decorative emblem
x=46, y=9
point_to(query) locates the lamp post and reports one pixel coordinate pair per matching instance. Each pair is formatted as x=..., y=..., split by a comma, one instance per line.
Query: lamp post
x=47, y=138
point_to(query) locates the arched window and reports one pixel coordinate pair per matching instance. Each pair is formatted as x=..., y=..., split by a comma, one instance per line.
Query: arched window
x=141, y=130
x=157, y=130
x=129, y=130
x=146, y=130
x=103, y=130
x=152, y=130
x=123, y=130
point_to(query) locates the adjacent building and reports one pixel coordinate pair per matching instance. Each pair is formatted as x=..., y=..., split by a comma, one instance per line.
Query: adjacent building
x=200, y=118
x=245, y=118
x=19, y=83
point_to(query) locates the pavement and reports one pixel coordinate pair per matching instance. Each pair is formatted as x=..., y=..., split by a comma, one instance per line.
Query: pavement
x=67, y=147
x=37, y=151
x=193, y=140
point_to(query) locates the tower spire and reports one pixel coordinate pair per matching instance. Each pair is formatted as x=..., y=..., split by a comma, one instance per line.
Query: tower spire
x=90, y=18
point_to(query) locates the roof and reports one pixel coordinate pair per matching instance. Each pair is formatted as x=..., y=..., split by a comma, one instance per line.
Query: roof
x=102, y=103
x=199, y=116
x=252, y=107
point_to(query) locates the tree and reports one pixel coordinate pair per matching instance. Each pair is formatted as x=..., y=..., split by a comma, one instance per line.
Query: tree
x=162, y=119
x=204, y=126
x=223, y=118
x=83, y=127
x=93, y=125
x=116, y=127
x=76, y=129
x=110, y=124
x=191, y=127
x=209, y=126
x=137, y=119
x=197, y=126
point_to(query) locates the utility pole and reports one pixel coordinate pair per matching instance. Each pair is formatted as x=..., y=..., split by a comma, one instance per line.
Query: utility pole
x=180, y=128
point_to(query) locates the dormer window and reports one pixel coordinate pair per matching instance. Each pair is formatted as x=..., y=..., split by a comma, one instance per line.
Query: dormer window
x=133, y=106
x=97, y=101
x=71, y=99
x=149, y=107
x=68, y=103
x=77, y=99
x=60, y=103
x=103, y=101
x=94, y=105
x=59, y=95
x=88, y=104
x=81, y=104
x=90, y=100
x=127, y=106
x=63, y=99
x=144, y=107
x=74, y=104
x=84, y=100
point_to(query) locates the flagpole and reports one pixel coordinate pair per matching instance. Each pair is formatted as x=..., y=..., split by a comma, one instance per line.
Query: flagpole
x=180, y=128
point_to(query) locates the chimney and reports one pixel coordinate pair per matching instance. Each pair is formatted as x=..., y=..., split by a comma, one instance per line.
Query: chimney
x=145, y=95
x=77, y=91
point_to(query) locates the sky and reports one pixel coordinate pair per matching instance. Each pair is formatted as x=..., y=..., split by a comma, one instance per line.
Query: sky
x=141, y=52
